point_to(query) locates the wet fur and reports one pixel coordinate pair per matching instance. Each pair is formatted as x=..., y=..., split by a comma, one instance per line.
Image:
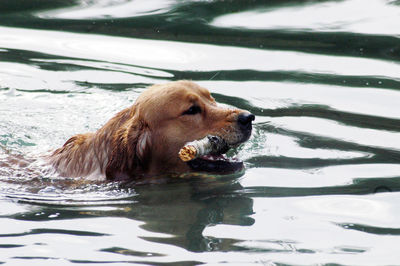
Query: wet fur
x=145, y=138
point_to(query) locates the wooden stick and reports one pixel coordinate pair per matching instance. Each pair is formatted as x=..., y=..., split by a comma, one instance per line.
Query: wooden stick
x=194, y=149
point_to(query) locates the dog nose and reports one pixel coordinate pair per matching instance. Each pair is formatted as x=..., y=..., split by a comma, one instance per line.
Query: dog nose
x=245, y=119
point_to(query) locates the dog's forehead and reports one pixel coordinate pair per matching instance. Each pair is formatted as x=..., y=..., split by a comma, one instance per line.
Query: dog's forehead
x=183, y=90
x=173, y=96
x=191, y=94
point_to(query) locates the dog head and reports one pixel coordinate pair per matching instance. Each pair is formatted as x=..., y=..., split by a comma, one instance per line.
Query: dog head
x=163, y=119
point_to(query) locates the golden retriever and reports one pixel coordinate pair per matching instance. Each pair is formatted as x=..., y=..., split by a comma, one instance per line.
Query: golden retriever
x=144, y=139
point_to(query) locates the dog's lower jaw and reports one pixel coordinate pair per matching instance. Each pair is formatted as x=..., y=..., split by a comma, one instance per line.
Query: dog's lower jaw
x=215, y=166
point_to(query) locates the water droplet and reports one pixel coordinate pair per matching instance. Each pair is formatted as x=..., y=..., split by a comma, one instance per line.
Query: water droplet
x=55, y=215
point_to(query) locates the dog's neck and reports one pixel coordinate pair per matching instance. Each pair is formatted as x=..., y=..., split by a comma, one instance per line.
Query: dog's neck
x=82, y=155
x=88, y=154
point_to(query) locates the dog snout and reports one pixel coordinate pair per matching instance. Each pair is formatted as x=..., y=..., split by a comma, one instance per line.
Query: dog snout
x=244, y=120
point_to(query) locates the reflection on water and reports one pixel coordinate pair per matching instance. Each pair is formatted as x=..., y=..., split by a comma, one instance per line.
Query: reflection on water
x=108, y=9
x=323, y=161
x=376, y=17
x=179, y=211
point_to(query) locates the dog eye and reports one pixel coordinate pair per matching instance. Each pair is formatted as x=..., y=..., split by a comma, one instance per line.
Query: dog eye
x=192, y=110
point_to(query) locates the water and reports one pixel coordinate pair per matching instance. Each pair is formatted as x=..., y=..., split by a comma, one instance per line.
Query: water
x=322, y=183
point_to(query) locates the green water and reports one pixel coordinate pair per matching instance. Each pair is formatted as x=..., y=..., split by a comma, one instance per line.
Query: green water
x=322, y=179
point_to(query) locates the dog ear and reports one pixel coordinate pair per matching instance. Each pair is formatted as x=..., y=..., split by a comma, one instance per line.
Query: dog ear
x=143, y=147
x=130, y=154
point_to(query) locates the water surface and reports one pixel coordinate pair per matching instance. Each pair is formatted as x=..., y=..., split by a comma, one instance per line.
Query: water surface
x=322, y=181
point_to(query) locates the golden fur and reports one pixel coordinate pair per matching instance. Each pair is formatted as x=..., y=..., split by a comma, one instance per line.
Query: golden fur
x=145, y=139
